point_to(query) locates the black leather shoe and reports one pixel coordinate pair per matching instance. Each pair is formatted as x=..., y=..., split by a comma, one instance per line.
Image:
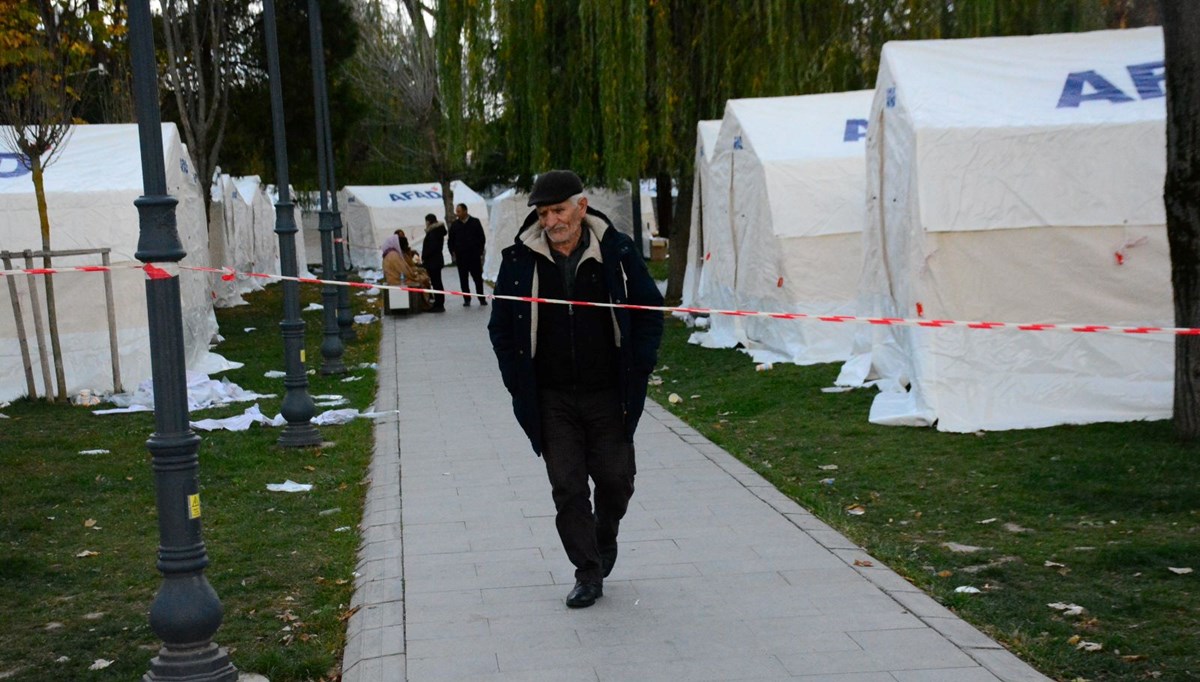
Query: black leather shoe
x=608, y=559
x=584, y=595
x=466, y=304
x=483, y=303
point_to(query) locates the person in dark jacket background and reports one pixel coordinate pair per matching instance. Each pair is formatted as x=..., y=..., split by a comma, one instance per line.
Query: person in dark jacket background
x=432, y=259
x=467, y=242
x=578, y=373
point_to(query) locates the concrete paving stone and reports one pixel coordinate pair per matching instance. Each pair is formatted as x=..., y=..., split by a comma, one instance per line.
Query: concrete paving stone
x=913, y=649
x=436, y=528
x=922, y=605
x=811, y=621
x=465, y=626
x=509, y=644
x=392, y=640
x=831, y=539
x=844, y=677
x=950, y=675
x=742, y=667
x=585, y=673
x=454, y=667
x=431, y=605
x=833, y=603
x=379, y=551
x=482, y=582
x=1005, y=666
x=387, y=614
x=833, y=581
x=591, y=654
x=961, y=633
x=436, y=544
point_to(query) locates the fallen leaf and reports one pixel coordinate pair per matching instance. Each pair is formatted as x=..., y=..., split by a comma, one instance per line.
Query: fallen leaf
x=945, y=574
x=62, y=659
x=310, y=468
x=86, y=553
x=991, y=520
x=89, y=523
x=1085, y=645
x=856, y=510
x=966, y=589
x=1053, y=564
x=1179, y=571
x=864, y=563
x=1074, y=639
x=674, y=399
x=1133, y=658
x=347, y=614
x=828, y=467
x=95, y=615
x=1014, y=528
x=53, y=625
x=100, y=664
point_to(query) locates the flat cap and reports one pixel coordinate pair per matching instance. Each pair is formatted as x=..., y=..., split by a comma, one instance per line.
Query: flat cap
x=555, y=186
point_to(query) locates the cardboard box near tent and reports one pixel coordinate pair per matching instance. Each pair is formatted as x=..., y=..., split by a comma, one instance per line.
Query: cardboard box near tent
x=90, y=190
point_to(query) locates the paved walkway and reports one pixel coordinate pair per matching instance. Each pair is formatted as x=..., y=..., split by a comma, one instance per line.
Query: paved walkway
x=720, y=577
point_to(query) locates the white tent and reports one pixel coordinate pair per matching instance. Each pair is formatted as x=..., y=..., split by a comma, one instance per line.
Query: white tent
x=792, y=169
x=242, y=236
x=703, y=198
x=1017, y=180
x=510, y=208
x=90, y=190
x=371, y=213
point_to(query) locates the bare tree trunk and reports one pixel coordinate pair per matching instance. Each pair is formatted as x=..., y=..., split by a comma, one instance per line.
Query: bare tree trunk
x=663, y=204
x=1181, y=193
x=39, y=188
x=677, y=248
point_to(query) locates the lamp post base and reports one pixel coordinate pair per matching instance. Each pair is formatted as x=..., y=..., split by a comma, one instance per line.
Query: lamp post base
x=207, y=662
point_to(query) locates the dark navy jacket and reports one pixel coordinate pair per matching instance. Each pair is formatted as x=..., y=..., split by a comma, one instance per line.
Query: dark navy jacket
x=513, y=326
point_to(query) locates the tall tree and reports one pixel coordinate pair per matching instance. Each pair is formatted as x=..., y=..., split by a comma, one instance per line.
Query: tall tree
x=45, y=47
x=1181, y=193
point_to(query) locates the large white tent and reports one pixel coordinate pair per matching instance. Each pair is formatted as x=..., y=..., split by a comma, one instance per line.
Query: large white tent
x=242, y=235
x=704, y=197
x=90, y=190
x=371, y=213
x=510, y=208
x=1017, y=180
x=793, y=171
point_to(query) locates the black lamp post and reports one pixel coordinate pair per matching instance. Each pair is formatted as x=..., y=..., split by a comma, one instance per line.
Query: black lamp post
x=331, y=343
x=297, y=407
x=637, y=216
x=186, y=612
x=345, y=317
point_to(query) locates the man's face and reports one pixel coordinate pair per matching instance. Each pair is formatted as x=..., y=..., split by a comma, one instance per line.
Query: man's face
x=563, y=222
x=460, y=212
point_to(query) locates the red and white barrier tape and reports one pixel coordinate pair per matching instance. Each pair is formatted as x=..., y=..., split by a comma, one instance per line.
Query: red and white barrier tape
x=160, y=270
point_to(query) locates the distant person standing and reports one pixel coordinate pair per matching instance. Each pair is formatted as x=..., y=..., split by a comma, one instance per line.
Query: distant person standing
x=431, y=258
x=466, y=247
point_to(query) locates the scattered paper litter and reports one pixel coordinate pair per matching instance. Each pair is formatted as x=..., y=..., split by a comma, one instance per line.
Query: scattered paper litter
x=332, y=403
x=328, y=396
x=837, y=389
x=962, y=549
x=828, y=467
x=991, y=520
x=341, y=529
x=239, y=422
x=367, y=365
x=349, y=379
x=674, y=399
x=314, y=306
x=827, y=481
x=1067, y=609
x=332, y=417
x=202, y=393
x=1179, y=571
x=249, y=329
x=371, y=275
x=1085, y=645
x=62, y=659
x=93, y=452
x=1053, y=564
x=763, y=367
x=100, y=664
x=373, y=291
x=289, y=486
x=366, y=318
x=966, y=589
x=274, y=374
x=856, y=510
x=86, y=553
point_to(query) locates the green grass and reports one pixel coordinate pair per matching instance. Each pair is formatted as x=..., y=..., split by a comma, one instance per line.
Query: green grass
x=1116, y=504
x=276, y=560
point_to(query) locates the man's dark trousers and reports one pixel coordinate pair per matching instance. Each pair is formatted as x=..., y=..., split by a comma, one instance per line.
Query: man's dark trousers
x=470, y=264
x=583, y=436
x=435, y=282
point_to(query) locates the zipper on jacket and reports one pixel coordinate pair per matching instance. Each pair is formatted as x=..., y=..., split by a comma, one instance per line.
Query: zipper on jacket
x=574, y=357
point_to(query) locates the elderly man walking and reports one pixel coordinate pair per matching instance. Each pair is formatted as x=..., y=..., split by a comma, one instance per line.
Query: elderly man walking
x=578, y=373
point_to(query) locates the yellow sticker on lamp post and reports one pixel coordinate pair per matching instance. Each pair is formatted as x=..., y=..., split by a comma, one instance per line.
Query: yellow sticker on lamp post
x=301, y=356
x=194, y=506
